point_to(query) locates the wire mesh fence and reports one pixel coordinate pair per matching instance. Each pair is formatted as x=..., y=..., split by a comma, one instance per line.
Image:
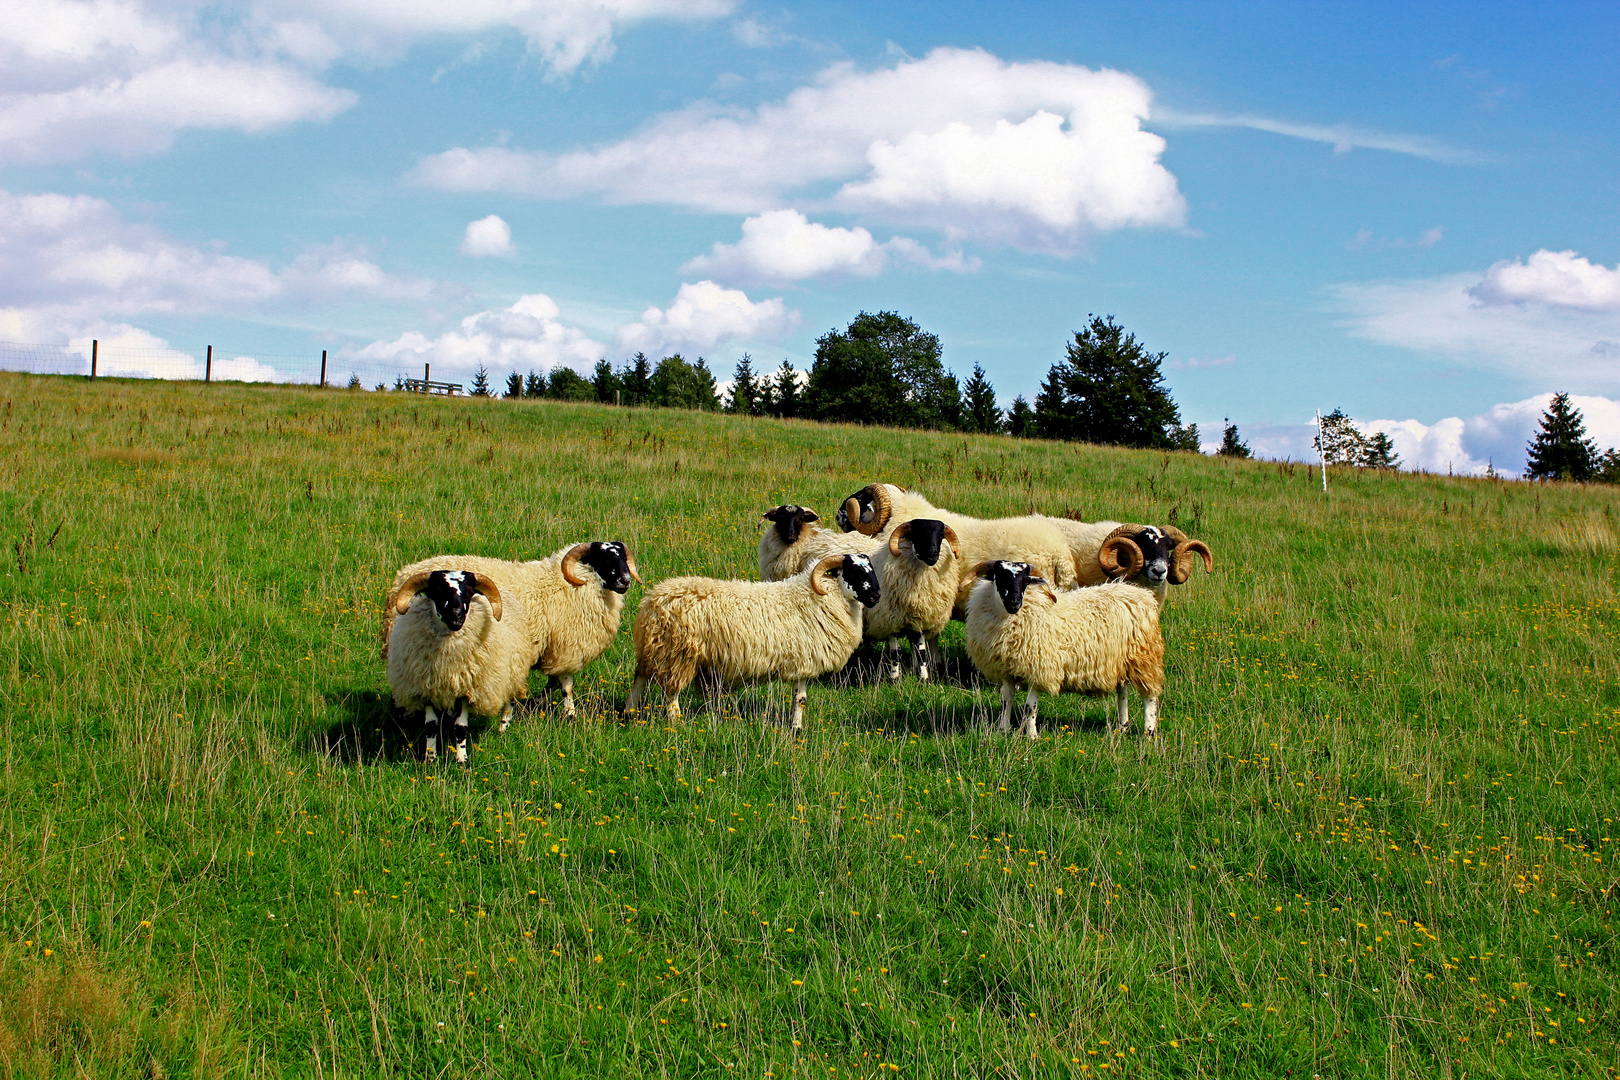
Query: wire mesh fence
x=100, y=359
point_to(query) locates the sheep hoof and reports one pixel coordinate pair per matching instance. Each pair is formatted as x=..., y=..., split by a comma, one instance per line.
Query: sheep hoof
x=461, y=755
x=430, y=755
x=504, y=725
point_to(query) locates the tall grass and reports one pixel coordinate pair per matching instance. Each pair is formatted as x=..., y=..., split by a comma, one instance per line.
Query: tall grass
x=1375, y=838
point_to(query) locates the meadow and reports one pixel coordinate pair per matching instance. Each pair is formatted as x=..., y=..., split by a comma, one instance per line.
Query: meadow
x=1373, y=839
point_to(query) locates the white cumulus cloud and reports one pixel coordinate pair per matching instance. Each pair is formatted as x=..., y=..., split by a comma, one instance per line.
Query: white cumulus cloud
x=71, y=261
x=783, y=245
x=1547, y=320
x=703, y=316
x=1496, y=438
x=487, y=236
x=1037, y=154
x=1557, y=278
x=528, y=336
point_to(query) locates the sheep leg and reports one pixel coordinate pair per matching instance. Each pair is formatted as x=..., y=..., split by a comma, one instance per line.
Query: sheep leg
x=430, y=726
x=458, y=735
x=1150, y=717
x=1031, y=706
x=506, y=717
x=919, y=653
x=632, y=701
x=1008, y=690
x=799, y=698
x=1122, y=711
x=567, y=682
x=894, y=661
x=931, y=654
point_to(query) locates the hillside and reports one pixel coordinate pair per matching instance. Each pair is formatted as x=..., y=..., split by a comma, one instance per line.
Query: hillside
x=1375, y=838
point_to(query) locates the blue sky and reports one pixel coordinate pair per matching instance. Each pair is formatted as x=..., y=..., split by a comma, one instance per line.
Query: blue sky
x=1406, y=211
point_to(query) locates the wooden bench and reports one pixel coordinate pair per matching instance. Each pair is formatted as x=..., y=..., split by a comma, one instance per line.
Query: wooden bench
x=424, y=386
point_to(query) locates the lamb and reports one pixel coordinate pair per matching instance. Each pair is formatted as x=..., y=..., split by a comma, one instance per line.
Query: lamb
x=567, y=606
x=1093, y=640
x=793, y=539
x=735, y=630
x=1154, y=558
x=1030, y=539
x=917, y=573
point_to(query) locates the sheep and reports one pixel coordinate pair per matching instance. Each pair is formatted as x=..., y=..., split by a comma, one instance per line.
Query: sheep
x=569, y=616
x=735, y=630
x=918, y=575
x=1154, y=558
x=1030, y=539
x=793, y=539
x=1093, y=639
x=457, y=643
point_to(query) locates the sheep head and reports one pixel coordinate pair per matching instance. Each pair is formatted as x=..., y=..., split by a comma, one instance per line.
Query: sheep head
x=866, y=511
x=451, y=593
x=856, y=572
x=610, y=559
x=1121, y=543
x=926, y=536
x=1012, y=580
x=790, y=521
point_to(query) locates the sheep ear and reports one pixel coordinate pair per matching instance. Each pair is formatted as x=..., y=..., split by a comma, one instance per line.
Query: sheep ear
x=807, y=514
x=983, y=570
x=1038, y=581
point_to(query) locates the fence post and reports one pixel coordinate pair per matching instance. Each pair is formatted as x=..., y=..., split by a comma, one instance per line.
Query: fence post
x=427, y=373
x=323, y=369
x=208, y=369
x=93, y=344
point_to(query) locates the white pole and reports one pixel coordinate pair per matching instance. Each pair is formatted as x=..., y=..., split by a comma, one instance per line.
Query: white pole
x=1321, y=450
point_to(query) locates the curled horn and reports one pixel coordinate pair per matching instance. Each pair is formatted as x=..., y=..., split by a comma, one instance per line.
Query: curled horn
x=901, y=531
x=1181, y=560
x=880, y=516
x=569, y=572
x=852, y=511
x=483, y=583
x=950, y=538
x=407, y=592
x=630, y=563
x=1116, y=543
x=831, y=562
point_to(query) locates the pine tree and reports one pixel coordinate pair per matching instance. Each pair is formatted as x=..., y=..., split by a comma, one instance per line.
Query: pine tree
x=1022, y=422
x=605, y=383
x=1231, y=445
x=1380, y=452
x=789, y=402
x=1608, y=467
x=979, y=404
x=1184, y=437
x=1561, y=450
x=514, y=385
x=1109, y=389
x=535, y=386
x=744, y=389
x=480, y=382
x=635, y=378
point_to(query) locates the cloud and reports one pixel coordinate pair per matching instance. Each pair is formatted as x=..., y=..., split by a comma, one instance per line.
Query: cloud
x=487, y=236
x=1039, y=155
x=80, y=78
x=524, y=337
x=1495, y=438
x=1193, y=363
x=1342, y=137
x=703, y=316
x=1548, y=320
x=1364, y=238
x=70, y=261
x=117, y=77
x=782, y=246
x=1554, y=278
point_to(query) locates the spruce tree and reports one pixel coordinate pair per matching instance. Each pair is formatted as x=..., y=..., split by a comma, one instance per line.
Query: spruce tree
x=535, y=386
x=636, y=379
x=1379, y=452
x=744, y=389
x=1561, y=450
x=1022, y=422
x=1109, y=389
x=789, y=401
x=606, y=383
x=514, y=385
x=979, y=404
x=480, y=382
x=1231, y=445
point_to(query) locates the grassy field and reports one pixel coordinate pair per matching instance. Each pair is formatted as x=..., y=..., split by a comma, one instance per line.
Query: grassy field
x=1376, y=838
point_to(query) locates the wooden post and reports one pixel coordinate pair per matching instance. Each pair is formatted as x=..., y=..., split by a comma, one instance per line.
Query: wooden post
x=323, y=369
x=93, y=344
x=427, y=373
x=208, y=370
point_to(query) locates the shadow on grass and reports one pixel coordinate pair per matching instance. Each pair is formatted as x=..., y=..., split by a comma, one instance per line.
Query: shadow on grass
x=374, y=730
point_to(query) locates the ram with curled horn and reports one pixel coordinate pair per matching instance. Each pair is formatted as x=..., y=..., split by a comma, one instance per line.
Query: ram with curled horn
x=919, y=571
x=1153, y=557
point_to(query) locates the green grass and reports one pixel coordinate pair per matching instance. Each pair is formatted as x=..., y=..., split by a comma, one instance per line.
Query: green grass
x=1375, y=838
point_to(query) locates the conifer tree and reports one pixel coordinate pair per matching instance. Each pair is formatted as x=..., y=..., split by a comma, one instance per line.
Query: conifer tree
x=1561, y=450
x=514, y=385
x=535, y=385
x=1231, y=445
x=1021, y=420
x=744, y=388
x=789, y=401
x=979, y=404
x=480, y=382
x=606, y=383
